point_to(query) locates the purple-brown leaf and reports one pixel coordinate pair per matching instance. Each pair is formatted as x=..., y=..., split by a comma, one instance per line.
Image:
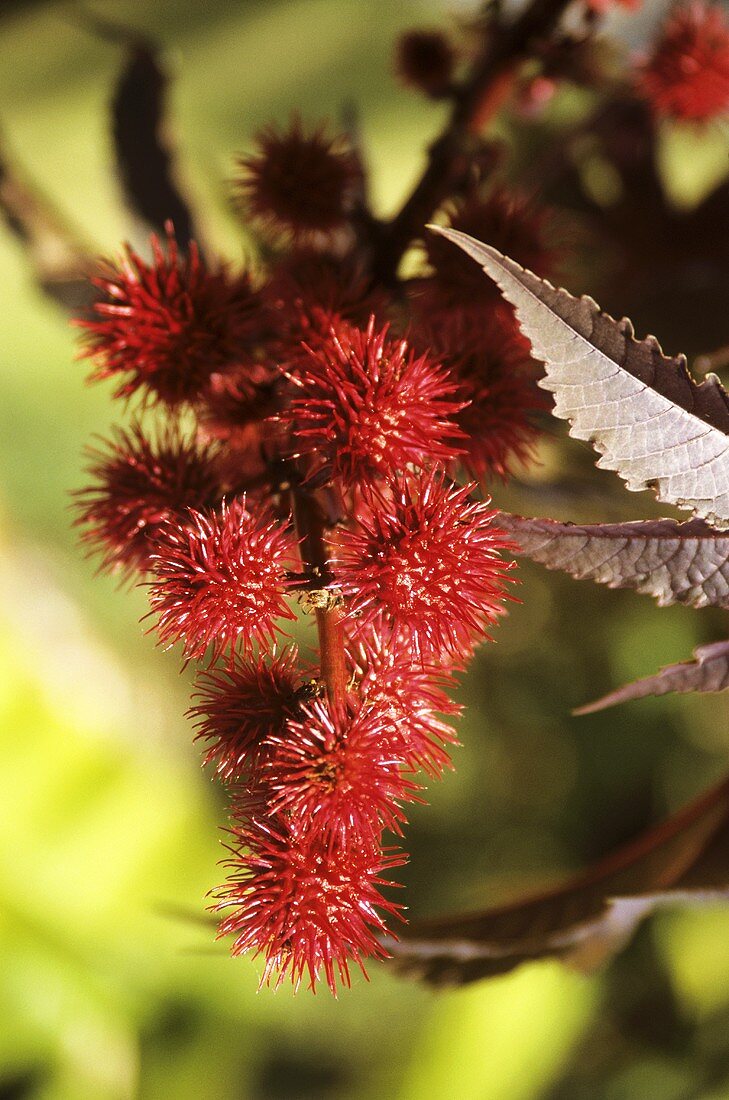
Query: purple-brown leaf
x=641, y=410
x=143, y=152
x=673, y=562
x=685, y=859
x=709, y=671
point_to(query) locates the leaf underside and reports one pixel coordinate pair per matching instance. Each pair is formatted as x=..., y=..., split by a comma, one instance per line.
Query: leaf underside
x=674, y=562
x=709, y=671
x=641, y=410
x=684, y=859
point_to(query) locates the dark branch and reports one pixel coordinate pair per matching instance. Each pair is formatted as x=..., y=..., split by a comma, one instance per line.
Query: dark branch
x=474, y=101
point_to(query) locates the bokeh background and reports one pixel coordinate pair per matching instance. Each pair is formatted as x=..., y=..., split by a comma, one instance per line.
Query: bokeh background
x=111, y=985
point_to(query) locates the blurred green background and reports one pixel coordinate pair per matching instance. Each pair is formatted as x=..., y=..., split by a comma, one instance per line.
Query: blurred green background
x=110, y=985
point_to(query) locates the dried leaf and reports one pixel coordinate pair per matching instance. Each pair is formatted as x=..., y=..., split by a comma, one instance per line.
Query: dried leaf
x=143, y=153
x=685, y=859
x=709, y=671
x=674, y=562
x=642, y=411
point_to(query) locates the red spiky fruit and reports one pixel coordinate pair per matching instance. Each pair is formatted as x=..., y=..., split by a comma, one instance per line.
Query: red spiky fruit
x=140, y=483
x=425, y=559
x=220, y=581
x=686, y=75
x=335, y=770
x=163, y=328
x=310, y=908
x=365, y=404
x=298, y=182
x=239, y=707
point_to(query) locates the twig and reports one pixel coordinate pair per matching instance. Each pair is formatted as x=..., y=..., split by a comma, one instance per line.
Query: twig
x=309, y=520
x=474, y=102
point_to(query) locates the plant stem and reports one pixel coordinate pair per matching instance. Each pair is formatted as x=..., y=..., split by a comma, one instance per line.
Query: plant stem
x=309, y=520
x=330, y=625
x=474, y=103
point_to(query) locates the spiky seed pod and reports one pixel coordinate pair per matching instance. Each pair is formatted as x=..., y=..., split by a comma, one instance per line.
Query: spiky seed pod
x=163, y=328
x=310, y=908
x=334, y=771
x=367, y=405
x=411, y=694
x=505, y=219
x=309, y=292
x=424, y=559
x=497, y=377
x=305, y=282
x=499, y=423
x=686, y=75
x=236, y=411
x=426, y=60
x=220, y=581
x=239, y=707
x=139, y=484
x=298, y=182
x=235, y=408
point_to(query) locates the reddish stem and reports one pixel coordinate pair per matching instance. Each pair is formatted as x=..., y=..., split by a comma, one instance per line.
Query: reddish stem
x=330, y=624
x=309, y=519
